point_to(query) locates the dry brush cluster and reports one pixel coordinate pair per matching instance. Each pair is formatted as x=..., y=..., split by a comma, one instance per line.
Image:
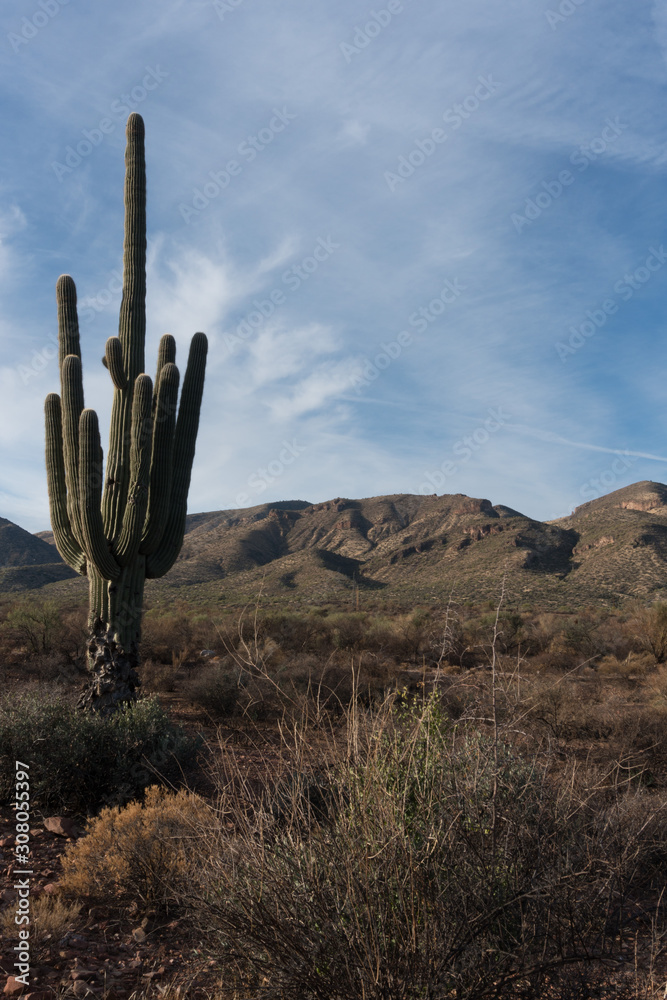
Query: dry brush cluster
x=404, y=856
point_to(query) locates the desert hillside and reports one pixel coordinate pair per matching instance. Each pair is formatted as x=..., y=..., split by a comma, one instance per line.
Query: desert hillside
x=401, y=548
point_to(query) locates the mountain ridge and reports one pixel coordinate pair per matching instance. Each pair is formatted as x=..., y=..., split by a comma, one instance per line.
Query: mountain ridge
x=414, y=547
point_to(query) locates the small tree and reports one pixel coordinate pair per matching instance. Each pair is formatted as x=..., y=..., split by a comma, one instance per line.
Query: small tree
x=650, y=628
x=36, y=625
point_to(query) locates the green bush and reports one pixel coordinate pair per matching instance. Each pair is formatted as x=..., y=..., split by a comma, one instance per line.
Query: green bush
x=79, y=761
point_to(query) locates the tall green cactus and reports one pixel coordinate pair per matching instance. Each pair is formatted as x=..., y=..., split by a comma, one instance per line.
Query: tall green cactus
x=133, y=528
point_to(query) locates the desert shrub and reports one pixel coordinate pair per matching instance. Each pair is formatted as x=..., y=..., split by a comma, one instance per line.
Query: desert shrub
x=557, y=659
x=555, y=706
x=216, y=688
x=633, y=666
x=79, y=761
x=511, y=630
x=297, y=633
x=447, y=639
x=157, y=676
x=539, y=633
x=138, y=853
x=53, y=667
x=641, y=737
x=348, y=630
x=37, y=625
x=180, y=632
x=449, y=866
x=581, y=636
x=366, y=680
x=44, y=629
x=649, y=627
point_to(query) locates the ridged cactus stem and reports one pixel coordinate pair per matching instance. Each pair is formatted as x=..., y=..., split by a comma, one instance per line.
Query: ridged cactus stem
x=131, y=327
x=68, y=320
x=133, y=528
x=66, y=543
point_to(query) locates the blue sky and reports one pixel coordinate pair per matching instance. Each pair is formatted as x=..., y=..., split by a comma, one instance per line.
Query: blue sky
x=425, y=238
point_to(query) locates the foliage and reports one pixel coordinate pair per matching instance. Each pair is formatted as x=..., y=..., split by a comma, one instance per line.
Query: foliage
x=79, y=762
x=137, y=853
x=650, y=628
x=430, y=861
x=35, y=624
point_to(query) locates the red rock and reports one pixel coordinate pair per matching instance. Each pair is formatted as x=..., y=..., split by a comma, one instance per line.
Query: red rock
x=60, y=825
x=13, y=987
x=50, y=888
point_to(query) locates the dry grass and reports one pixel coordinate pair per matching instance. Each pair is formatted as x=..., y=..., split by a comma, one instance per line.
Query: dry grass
x=50, y=919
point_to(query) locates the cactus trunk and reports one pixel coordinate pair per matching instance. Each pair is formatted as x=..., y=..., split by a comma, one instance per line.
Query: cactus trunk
x=133, y=528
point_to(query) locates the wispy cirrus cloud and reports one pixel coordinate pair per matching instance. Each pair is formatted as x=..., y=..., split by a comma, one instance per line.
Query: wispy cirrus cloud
x=323, y=178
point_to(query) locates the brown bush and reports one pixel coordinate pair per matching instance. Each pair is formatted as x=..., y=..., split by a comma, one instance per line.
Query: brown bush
x=649, y=628
x=138, y=853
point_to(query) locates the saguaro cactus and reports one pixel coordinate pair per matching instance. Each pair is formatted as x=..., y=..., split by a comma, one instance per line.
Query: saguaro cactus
x=131, y=529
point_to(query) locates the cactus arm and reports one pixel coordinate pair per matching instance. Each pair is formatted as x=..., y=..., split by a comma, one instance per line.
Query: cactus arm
x=90, y=489
x=66, y=543
x=140, y=456
x=113, y=360
x=131, y=327
x=164, y=421
x=132, y=323
x=166, y=355
x=72, y=407
x=68, y=320
x=184, y=452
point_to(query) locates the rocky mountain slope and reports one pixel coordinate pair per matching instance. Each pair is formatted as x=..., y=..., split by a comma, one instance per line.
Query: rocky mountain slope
x=27, y=561
x=408, y=548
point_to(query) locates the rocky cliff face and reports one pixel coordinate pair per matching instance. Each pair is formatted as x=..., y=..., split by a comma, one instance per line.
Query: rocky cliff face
x=416, y=547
